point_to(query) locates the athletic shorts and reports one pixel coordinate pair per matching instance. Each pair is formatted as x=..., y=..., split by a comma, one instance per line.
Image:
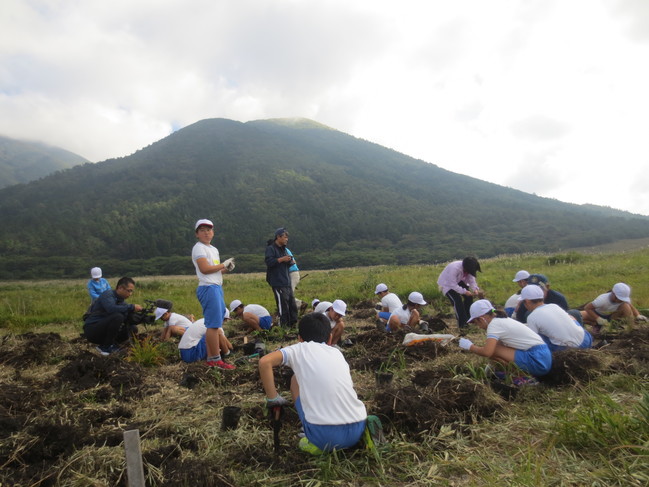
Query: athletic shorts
x=328, y=437
x=384, y=314
x=265, y=322
x=196, y=353
x=536, y=360
x=211, y=299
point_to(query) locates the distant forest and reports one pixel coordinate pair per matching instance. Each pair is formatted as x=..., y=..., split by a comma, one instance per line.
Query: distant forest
x=345, y=202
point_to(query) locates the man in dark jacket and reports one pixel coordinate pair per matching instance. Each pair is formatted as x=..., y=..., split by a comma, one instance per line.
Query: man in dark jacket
x=278, y=262
x=106, y=323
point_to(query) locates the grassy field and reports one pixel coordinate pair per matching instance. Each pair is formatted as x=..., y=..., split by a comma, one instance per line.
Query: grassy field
x=63, y=408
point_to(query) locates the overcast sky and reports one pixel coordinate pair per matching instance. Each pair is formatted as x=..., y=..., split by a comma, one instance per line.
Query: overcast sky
x=547, y=96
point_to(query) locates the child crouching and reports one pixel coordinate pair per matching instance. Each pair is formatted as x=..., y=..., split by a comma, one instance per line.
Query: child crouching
x=322, y=389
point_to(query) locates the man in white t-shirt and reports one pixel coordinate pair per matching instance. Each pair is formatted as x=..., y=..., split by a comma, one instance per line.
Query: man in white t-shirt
x=389, y=302
x=322, y=389
x=334, y=312
x=254, y=315
x=554, y=325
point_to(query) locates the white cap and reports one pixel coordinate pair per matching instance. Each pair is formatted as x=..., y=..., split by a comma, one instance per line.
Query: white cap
x=314, y=302
x=532, y=291
x=480, y=308
x=417, y=298
x=235, y=304
x=203, y=221
x=159, y=312
x=339, y=307
x=520, y=276
x=95, y=272
x=380, y=288
x=622, y=292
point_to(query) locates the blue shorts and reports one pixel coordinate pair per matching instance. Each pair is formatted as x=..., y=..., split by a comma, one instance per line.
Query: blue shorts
x=510, y=311
x=211, y=299
x=328, y=437
x=265, y=322
x=536, y=360
x=587, y=342
x=384, y=314
x=196, y=353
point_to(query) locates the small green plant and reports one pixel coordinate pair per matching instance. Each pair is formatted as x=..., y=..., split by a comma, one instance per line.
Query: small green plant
x=146, y=352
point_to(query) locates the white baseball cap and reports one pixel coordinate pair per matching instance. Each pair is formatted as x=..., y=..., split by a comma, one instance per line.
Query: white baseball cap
x=314, y=302
x=622, y=292
x=203, y=221
x=235, y=304
x=417, y=298
x=380, y=288
x=480, y=308
x=159, y=312
x=532, y=291
x=520, y=276
x=339, y=307
x=95, y=272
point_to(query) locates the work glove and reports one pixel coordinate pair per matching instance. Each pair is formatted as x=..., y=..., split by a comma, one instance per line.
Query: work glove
x=602, y=321
x=642, y=318
x=465, y=343
x=229, y=264
x=277, y=401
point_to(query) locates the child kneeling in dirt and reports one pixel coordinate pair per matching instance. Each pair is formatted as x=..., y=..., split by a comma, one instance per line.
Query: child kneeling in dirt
x=192, y=346
x=332, y=415
x=508, y=340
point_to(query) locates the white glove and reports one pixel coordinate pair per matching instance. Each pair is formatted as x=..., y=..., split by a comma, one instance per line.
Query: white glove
x=465, y=343
x=602, y=321
x=641, y=318
x=229, y=264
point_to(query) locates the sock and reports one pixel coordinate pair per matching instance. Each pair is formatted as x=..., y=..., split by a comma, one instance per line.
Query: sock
x=214, y=358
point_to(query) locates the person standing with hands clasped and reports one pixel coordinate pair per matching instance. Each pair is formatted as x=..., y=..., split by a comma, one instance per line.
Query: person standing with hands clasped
x=508, y=340
x=278, y=261
x=209, y=270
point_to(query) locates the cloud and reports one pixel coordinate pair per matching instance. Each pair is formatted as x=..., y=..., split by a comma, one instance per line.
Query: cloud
x=539, y=127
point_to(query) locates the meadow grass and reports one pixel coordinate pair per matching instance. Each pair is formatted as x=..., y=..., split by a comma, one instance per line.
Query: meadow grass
x=32, y=305
x=594, y=434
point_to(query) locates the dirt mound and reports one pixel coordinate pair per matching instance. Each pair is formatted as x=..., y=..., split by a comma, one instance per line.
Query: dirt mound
x=87, y=371
x=435, y=323
x=33, y=348
x=574, y=366
x=416, y=410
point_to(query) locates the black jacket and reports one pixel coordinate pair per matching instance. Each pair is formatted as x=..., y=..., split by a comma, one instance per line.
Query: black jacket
x=276, y=272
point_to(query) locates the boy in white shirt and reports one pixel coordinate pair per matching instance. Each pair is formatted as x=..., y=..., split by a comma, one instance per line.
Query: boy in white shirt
x=254, y=315
x=322, y=389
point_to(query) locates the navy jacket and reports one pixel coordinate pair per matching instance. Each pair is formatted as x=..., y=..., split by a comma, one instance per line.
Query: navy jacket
x=107, y=304
x=277, y=272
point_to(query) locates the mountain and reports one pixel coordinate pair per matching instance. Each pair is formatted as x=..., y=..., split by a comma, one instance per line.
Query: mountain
x=21, y=161
x=345, y=202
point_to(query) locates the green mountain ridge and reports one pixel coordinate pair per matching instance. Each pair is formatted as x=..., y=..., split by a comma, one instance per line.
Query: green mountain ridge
x=345, y=202
x=24, y=161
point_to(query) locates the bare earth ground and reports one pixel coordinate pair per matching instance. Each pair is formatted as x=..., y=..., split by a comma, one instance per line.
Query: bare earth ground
x=64, y=408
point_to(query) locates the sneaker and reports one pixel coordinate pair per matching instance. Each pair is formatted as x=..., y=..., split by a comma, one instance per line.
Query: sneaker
x=306, y=446
x=220, y=364
x=106, y=350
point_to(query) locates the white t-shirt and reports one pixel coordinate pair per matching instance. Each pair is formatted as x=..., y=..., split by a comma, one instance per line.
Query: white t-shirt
x=403, y=314
x=604, y=306
x=326, y=389
x=513, y=334
x=512, y=301
x=552, y=321
x=391, y=301
x=322, y=307
x=256, y=309
x=192, y=335
x=212, y=255
x=178, y=320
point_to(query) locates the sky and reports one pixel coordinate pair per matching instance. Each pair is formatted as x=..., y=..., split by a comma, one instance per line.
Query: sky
x=550, y=97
